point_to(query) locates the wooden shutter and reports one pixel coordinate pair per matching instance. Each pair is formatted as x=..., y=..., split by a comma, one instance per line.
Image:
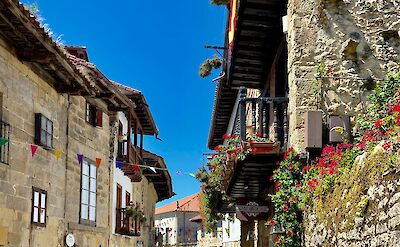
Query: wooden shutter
x=99, y=118
x=38, y=123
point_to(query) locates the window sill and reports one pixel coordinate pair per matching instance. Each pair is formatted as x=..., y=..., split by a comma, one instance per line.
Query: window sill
x=81, y=227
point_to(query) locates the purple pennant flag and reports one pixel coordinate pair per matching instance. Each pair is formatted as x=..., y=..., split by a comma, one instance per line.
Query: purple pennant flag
x=80, y=158
x=119, y=164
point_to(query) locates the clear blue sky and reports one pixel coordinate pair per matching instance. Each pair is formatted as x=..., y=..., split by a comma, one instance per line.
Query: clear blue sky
x=156, y=47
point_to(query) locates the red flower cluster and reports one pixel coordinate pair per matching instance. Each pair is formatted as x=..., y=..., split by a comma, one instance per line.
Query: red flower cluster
x=289, y=233
x=226, y=136
x=330, y=158
x=312, y=183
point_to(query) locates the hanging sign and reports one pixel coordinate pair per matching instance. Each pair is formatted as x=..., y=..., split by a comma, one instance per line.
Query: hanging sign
x=247, y=210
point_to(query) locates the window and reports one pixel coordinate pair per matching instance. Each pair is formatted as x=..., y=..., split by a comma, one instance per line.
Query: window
x=43, y=131
x=94, y=116
x=39, y=202
x=127, y=198
x=88, y=193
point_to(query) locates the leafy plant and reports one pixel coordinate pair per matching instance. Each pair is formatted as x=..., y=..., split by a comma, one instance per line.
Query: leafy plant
x=208, y=65
x=220, y=2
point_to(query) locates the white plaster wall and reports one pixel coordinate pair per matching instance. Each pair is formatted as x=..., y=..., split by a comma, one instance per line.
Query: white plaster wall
x=120, y=178
x=234, y=231
x=167, y=220
x=124, y=120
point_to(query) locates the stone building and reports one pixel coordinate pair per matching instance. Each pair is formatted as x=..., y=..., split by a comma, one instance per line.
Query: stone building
x=293, y=72
x=173, y=222
x=58, y=164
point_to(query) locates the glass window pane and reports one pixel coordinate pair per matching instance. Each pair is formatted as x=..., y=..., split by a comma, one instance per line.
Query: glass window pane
x=92, y=185
x=85, y=168
x=48, y=142
x=43, y=125
x=85, y=182
x=35, y=215
x=84, y=212
x=85, y=197
x=92, y=214
x=42, y=137
x=36, y=199
x=92, y=199
x=43, y=201
x=42, y=216
x=92, y=171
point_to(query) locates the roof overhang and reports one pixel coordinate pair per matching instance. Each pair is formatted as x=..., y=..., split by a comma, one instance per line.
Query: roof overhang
x=256, y=38
x=161, y=180
x=33, y=45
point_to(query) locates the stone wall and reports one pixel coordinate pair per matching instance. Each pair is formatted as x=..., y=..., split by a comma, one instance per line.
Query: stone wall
x=362, y=210
x=23, y=94
x=357, y=41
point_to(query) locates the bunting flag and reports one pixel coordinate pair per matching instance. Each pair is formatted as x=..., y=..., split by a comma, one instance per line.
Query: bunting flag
x=3, y=141
x=98, y=162
x=136, y=167
x=119, y=164
x=33, y=150
x=58, y=153
x=192, y=175
x=153, y=169
x=179, y=172
x=80, y=158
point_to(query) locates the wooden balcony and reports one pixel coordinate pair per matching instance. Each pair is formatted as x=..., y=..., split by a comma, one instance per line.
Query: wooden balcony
x=125, y=225
x=132, y=155
x=266, y=116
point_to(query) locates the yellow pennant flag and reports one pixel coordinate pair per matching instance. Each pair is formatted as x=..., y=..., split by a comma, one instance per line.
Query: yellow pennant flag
x=58, y=153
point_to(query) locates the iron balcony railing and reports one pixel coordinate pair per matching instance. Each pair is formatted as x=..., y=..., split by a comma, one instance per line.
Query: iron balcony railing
x=265, y=115
x=5, y=130
x=125, y=225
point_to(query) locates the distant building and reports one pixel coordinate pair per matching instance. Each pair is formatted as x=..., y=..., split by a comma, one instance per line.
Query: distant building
x=173, y=224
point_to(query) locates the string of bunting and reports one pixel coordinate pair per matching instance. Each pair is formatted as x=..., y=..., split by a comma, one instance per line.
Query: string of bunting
x=57, y=152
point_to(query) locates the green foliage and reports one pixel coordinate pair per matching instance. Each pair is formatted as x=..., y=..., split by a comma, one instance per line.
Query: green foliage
x=317, y=84
x=208, y=65
x=380, y=98
x=220, y=2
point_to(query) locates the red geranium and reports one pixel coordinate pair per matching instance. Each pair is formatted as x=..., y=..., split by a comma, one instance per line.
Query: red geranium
x=290, y=233
x=226, y=136
x=378, y=123
x=285, y=208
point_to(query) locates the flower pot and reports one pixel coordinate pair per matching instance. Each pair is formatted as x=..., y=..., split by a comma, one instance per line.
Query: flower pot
x=265, y=147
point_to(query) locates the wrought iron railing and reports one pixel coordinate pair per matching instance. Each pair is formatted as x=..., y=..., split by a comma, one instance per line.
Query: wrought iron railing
x=267, y=116
x=5, y=130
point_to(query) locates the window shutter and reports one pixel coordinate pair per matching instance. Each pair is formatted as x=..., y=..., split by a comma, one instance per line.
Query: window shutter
x=99, y=118
x=38, y=122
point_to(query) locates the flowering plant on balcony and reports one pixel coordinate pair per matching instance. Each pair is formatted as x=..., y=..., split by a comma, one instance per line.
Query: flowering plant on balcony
x=334, y=172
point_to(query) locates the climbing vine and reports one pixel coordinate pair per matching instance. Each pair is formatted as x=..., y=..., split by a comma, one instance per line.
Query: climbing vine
x=208, y=65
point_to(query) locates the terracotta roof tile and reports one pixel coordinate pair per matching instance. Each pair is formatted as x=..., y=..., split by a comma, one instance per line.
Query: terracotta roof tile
x=187, y=204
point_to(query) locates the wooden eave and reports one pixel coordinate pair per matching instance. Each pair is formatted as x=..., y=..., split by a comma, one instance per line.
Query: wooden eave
x=161, y=180
x=32, y=45
x=256, y=40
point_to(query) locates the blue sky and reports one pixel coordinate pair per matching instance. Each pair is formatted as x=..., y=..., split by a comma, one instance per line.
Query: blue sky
x=156, y=47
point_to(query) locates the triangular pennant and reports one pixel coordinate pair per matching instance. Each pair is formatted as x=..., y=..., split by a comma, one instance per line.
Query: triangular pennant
x=153, y=169
x=192, y=175
x=80, y=158
x=98, y=162
x=3, y=141
x=135, y=167
x=57, y=152
x=33, y=150
x=119, y=164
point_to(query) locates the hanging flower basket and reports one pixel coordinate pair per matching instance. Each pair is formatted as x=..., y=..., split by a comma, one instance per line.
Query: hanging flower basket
x=265, y=147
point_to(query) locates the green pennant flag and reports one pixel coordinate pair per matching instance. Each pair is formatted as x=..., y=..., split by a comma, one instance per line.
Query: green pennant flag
x=3, y=141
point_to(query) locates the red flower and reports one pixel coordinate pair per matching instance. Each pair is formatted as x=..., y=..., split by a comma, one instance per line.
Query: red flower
x=378, y=123
x=387, y=145
x=312, y=183
x=285, y=208
x=276, y=185
x=271, y=222
x=213, y=155
x=290, y=233
x=226, y=136
x=258, y=134
x=277, y=239
x=298, y=186
x=216, y=148
x=294, y=198
x=291, y=166
x=271, y=178
x=396, y=108
x=233, y=136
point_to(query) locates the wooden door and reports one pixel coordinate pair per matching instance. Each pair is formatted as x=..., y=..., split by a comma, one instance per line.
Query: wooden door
x=118, y=206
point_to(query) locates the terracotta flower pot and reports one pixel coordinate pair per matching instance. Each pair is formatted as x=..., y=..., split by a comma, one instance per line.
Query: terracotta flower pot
x=265, y=147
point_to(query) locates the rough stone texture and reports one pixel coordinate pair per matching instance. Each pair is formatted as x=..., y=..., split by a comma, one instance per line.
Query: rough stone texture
x=354, y=38
x=23, y=94
x=377, y=224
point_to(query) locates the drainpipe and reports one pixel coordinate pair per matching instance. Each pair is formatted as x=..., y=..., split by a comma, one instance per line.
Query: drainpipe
x=66, y=159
